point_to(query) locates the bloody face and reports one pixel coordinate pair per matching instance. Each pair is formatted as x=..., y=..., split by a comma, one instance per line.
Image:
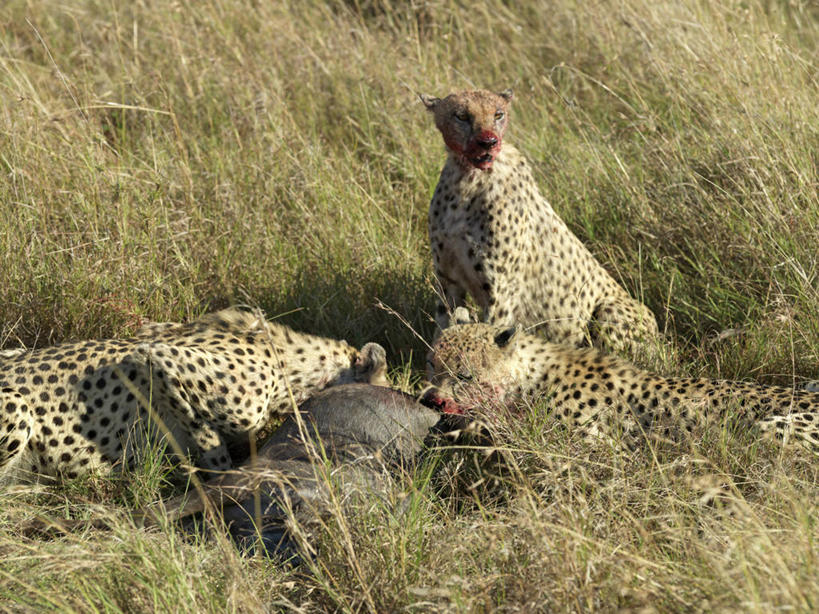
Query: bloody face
x=472, y=124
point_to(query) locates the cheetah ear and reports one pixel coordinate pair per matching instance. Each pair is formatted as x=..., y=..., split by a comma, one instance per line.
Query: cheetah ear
x=371, y=365
x=506, y=94
x=461, y=315
x=429, y=101
x=504, y=338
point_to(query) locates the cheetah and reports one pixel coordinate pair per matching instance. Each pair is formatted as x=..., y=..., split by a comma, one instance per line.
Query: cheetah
x=76, y=408
x=494, y=237
x=360, y=432
x=600, y=395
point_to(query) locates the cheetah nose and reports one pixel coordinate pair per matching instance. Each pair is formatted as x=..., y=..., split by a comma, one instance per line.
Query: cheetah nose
x=430, y=398
x=487, y=142
x=446, y=406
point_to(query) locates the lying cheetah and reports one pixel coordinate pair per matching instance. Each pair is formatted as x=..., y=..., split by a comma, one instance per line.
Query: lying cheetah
x=495, y=237
x=361, y=431
x=601, y=395
x=78, y=407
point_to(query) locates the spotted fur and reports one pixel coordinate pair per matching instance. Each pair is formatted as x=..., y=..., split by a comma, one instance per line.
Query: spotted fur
x=493, y=236
x=601, y=395
x=78, y=407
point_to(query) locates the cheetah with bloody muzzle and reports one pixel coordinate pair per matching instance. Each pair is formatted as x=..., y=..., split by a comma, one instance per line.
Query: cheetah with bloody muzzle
x=475, y=364
x=494, y=237
x=79, y=407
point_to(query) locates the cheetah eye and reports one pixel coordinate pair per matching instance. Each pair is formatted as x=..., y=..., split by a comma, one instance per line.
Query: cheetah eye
x=464, y=377
x=499, y=115
x=462, y=116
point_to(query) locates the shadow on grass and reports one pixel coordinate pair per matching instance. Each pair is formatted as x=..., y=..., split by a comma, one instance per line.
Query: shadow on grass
x=386, y=306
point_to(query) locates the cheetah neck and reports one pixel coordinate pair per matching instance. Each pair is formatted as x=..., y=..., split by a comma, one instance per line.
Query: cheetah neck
x=316, y=360
x=596, y=374
x=508, y=171
x=310, y=362
x=551, y=365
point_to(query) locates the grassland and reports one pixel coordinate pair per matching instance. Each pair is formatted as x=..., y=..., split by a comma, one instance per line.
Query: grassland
x=161, y=159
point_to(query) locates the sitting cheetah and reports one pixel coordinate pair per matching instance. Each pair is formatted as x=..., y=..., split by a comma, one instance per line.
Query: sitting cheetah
x=603, y=395
x=495, y=237
x=78, y=407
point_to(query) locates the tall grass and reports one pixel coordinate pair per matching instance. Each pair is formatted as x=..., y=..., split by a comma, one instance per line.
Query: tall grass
x=160, y=159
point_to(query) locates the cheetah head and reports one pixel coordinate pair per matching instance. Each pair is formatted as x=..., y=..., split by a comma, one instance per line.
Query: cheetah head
x=472, y=124
x=471, y=365
x=369, y=366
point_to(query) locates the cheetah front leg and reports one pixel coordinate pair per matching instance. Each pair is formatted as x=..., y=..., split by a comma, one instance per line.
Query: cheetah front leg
x=793, y=427
x=626, y=327
x=500, y=302
x=454, y=296
x=16, y=428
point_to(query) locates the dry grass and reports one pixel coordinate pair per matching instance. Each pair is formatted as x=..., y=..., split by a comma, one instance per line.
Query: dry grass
x=161, y=159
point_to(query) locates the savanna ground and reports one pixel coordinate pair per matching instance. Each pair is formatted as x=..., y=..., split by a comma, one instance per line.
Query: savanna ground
x=162, y=159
